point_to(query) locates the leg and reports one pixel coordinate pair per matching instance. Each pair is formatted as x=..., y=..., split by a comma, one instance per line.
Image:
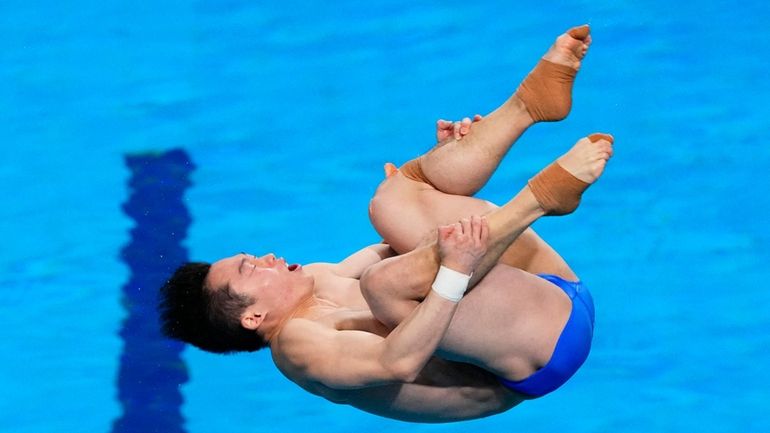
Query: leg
x=406, y=214
x=404, y=211
x=519, y=315
x=463, y=166
x=394, y=286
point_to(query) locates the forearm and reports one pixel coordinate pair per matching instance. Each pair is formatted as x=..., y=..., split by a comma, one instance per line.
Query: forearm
x=461, y=247
x=411, y=344
x=404, y=352
x=351, y=359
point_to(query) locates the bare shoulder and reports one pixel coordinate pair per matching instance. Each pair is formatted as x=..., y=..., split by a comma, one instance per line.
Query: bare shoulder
x=296, y=348
x=297, y=337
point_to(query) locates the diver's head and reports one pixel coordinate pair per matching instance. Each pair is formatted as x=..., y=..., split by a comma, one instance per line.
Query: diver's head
x=233, y=304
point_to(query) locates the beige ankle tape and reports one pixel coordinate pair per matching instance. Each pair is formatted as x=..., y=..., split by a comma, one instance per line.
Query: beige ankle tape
x=556, y=190
x=413, y=170
x=547, y=91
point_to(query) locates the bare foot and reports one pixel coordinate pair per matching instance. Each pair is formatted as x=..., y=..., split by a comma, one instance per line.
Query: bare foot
x=559, y=187
x=570, y=48
x=587, y=158
x=547, y=91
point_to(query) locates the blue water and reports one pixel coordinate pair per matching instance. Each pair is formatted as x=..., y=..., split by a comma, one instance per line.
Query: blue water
x=289, y=109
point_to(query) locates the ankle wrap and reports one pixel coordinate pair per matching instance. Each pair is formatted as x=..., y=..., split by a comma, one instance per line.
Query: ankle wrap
x=547, y=91
x=556, y=190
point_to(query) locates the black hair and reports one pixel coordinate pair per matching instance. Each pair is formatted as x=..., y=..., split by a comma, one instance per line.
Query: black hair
x=208, y=318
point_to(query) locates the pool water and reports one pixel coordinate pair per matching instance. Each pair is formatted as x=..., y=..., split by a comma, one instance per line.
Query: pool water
x=287, y=112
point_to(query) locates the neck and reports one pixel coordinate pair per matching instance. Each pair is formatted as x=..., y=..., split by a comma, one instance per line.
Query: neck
x=301, y=309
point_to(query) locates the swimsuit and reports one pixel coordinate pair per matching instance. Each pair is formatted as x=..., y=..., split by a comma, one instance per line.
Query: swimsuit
x=572, y=348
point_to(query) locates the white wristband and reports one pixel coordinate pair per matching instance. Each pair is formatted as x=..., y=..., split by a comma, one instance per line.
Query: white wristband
x=450, y=284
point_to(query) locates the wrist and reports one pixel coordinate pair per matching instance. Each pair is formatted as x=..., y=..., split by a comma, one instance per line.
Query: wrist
x=457, y=267
x=450, y=284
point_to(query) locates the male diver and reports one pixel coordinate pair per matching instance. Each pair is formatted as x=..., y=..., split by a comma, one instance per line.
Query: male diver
x=399, y=336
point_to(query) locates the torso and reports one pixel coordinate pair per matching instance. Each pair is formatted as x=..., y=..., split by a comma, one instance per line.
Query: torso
x=445, y=391
x=342, y=291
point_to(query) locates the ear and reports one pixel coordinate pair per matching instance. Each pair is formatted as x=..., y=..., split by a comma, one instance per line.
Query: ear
x=251, y=320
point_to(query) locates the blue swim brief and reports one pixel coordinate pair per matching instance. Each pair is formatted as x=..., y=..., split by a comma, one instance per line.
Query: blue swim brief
x=572, y=348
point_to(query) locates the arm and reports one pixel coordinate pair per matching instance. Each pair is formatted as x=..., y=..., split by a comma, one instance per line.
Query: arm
x=355, y=359
x=355, y=265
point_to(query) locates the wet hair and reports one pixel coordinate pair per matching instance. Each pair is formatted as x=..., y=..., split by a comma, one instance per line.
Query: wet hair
x=208, y=318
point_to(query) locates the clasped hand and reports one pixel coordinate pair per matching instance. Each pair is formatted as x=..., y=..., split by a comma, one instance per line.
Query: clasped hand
x=463, y=244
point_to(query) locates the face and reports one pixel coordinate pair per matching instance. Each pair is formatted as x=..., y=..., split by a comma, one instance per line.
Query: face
x=274, y=285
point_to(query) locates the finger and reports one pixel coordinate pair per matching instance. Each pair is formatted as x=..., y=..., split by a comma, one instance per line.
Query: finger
x=457, y=130
x=475, y=227
x=443, y=130
x=484, y=230
x=445, y=231
x=477, y=118
x=466, y=226
x=465, y=126
x=457, y=231
x=441, y=232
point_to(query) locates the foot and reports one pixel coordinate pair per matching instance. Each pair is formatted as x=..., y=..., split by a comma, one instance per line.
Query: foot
x=570, y=48
x=587, y=158
x=559, y=187
x=547, y=91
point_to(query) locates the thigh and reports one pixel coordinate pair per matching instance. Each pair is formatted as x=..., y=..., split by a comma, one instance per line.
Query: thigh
x=406, y=213
x=508, y=324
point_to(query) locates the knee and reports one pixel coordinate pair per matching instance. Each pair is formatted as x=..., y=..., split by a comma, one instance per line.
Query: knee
x=378, y=210
x=370, y=280
x=377, y=292
x=380, y=199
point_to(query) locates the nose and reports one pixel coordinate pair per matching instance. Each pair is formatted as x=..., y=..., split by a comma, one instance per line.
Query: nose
x=269, y=258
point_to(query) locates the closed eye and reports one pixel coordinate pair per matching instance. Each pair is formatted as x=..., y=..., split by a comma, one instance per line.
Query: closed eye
x=244, y=263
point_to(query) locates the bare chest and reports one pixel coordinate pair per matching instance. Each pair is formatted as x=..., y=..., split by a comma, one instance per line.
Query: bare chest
x=343, y=291
x=344, y=319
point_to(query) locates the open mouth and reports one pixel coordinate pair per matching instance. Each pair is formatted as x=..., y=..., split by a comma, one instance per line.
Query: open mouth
x=293, y=267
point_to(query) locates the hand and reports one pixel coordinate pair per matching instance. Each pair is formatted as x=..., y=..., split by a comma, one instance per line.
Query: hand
x=462, y=245
x=446, y=129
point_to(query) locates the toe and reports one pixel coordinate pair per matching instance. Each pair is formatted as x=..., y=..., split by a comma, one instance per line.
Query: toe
x=580, y=32
x=601, y=136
